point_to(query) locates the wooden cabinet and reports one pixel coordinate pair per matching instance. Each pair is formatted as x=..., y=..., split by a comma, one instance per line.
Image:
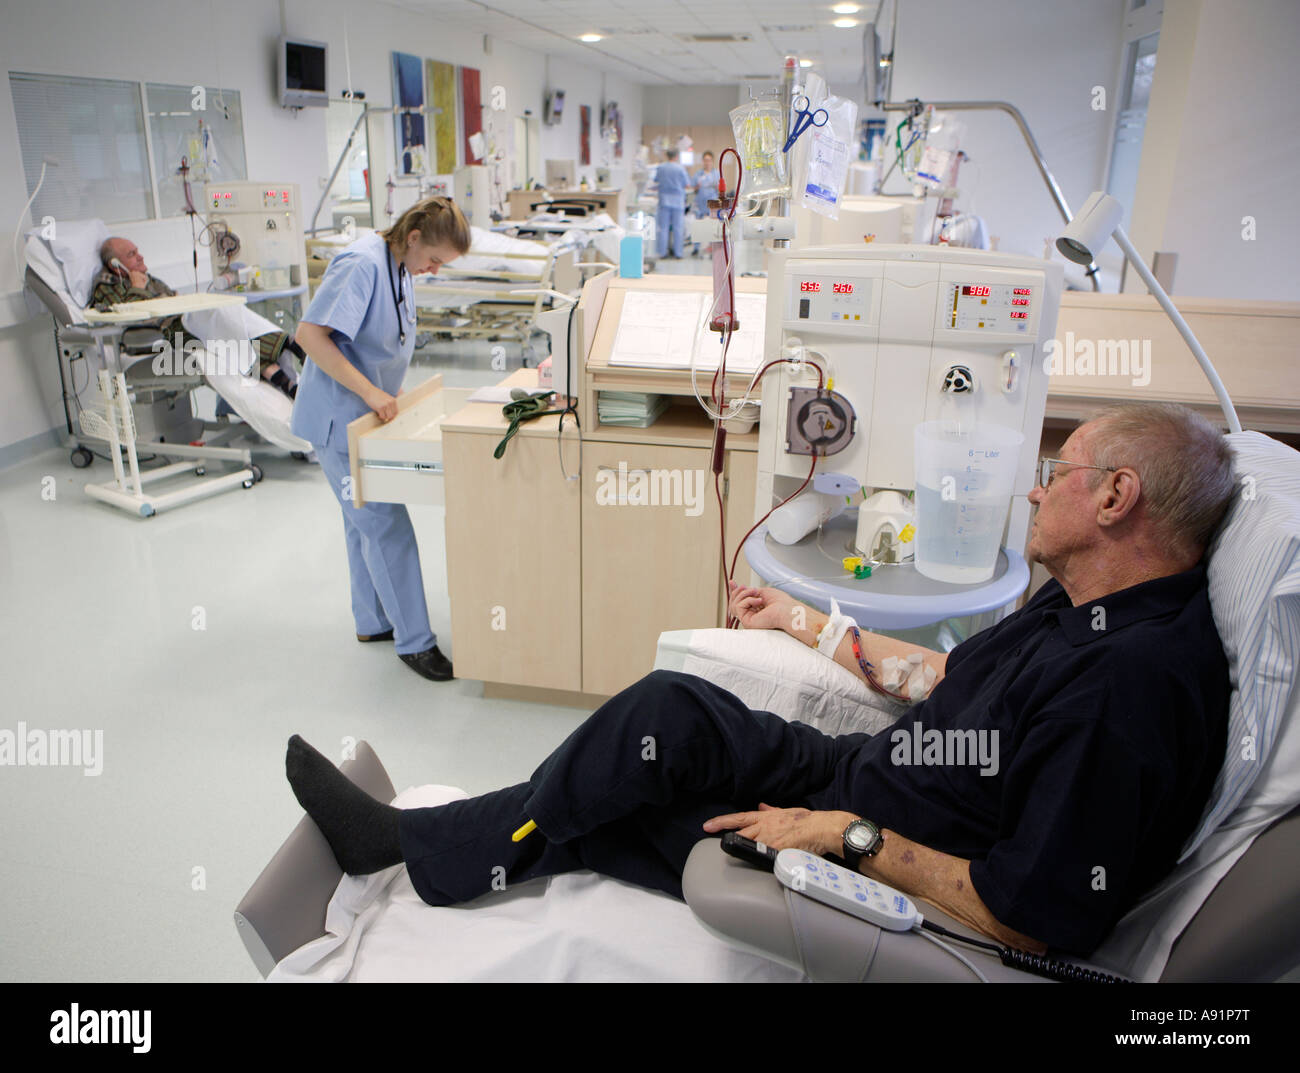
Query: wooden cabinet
x=650, y=527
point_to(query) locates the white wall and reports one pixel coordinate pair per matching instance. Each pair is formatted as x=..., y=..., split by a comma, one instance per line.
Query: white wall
x=137, y=40
x=1044, y=58
x=689, y=106
x=1223, y=143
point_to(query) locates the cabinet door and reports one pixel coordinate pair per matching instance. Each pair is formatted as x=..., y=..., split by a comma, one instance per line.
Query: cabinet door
x=651, y=557
x=513, y=562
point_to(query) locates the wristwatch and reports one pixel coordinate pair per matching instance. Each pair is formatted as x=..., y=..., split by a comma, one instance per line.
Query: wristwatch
x=862, y=838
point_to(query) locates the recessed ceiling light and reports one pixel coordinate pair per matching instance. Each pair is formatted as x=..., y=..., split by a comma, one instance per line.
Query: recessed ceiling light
x=845, y=24
x=591, y=39
x=805, y=63
x=846, y=9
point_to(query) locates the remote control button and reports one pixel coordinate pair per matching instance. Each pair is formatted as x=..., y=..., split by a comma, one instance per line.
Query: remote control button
x=860, y=897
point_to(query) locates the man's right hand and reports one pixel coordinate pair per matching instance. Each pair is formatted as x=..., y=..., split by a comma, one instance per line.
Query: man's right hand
x=140, y=280
x=762, y=609
x=384, y=404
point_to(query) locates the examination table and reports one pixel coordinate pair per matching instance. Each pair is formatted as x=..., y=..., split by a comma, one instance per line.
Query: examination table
x=1228, y=911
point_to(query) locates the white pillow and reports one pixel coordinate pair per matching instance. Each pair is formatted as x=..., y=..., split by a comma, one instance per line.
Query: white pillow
x=772, y=672
x=76, y=246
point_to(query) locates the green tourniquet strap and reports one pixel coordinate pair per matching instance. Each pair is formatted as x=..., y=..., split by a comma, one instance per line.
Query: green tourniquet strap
x=521, y=410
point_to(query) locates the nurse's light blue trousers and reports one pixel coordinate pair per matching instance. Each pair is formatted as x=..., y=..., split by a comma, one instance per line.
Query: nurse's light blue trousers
x=384, y=561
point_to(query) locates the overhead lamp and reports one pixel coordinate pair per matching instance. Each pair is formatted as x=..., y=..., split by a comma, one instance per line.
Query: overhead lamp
x=846, y=9
x=591, y=39
x=805, y=63
x=1089, y=231
x=845, y=24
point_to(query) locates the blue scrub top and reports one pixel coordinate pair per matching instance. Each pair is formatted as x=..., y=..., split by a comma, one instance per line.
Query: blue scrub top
x=355, y=301
x=706, y=183
x=672, y=180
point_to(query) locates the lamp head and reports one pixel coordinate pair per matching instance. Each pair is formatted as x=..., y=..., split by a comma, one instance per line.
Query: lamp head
x=1091, y=229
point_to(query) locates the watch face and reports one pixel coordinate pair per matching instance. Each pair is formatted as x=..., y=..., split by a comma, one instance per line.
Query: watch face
x=860, y=836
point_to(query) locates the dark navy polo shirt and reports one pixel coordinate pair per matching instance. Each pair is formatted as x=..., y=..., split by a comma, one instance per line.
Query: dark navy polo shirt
x=1108, y=722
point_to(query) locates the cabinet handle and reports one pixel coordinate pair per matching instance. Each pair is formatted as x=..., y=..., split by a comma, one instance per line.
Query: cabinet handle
x=614, y=469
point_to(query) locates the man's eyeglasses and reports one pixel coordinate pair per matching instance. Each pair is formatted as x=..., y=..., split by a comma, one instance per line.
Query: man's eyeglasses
x=1047, y=469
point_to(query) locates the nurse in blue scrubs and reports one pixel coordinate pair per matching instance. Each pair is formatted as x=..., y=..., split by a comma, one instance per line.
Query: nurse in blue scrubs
x=359, y=334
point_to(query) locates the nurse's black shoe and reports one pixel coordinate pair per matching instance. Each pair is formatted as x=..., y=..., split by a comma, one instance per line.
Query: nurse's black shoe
x=430, y=664
x=387, y=635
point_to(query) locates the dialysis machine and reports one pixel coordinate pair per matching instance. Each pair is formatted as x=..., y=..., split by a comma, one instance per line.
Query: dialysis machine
x=907, y=334
x=257, y=226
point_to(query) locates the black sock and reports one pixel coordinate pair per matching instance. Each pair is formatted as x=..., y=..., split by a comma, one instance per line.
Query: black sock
x=281, y=380
x=293, y=348
x=361, y=831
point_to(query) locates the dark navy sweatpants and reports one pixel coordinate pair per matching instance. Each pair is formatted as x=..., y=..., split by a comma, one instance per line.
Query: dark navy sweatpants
x=626, y=794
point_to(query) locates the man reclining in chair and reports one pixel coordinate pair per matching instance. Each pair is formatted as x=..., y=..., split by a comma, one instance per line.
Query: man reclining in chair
x=126, y=278
x=1105, y=700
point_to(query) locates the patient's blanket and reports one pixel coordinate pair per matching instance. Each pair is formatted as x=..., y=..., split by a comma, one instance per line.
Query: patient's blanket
x=574, y=927
x=230, y=368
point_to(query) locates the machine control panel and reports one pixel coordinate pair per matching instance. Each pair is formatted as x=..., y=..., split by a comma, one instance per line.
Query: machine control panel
x=824, y=299
x=993, y=307
x=234, y=199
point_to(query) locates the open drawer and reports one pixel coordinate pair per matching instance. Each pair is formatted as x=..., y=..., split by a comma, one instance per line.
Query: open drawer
x=401, y=461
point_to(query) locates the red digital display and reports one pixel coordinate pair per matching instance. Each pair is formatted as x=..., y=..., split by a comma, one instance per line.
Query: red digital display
x=1019, y=301
x=843, y=288
x=1021, y=290
x=810, y=286
x=1019, y=316
x=975, y=292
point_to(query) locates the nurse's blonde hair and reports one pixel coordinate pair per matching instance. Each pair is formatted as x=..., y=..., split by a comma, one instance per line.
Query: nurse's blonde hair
x=439, y=222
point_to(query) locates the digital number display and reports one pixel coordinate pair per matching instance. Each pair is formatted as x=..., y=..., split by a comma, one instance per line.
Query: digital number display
x=810, y=286
x=974, y=292
x=1019, y=315
x=843, y=288
x=1021, y=290
x=1019, y=301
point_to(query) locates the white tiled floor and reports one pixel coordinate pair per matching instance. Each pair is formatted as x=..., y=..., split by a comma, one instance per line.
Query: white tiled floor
x=97, y=874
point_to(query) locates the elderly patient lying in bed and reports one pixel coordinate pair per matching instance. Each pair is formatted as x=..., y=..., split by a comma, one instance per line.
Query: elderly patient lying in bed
x=1050, y=778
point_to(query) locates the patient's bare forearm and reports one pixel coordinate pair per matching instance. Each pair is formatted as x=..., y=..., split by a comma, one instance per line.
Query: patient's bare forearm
x=316, y=342
x=944, y=881
x=875, y=648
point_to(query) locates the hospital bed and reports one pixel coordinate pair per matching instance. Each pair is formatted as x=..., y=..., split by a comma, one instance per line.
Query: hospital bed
x=1228, y=911
x=61, y=272
x=498, y=288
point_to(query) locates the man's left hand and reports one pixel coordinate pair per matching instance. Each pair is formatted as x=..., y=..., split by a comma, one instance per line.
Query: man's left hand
x=787, y=828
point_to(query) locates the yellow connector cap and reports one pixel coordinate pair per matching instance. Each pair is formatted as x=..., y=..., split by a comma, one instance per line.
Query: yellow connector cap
x=523, y=832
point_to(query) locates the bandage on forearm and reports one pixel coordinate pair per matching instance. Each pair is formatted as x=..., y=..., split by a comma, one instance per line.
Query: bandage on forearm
x=909, y=672
x=828, y=641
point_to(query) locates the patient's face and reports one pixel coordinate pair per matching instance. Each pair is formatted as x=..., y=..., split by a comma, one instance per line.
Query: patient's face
x=1066, y=519
x=129, y=254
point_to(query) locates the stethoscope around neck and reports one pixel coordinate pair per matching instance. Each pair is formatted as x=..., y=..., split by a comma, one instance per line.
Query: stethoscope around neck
x=399, y=294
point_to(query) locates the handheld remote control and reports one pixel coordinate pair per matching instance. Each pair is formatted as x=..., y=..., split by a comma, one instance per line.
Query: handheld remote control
x=846, y=890
x=756, y=853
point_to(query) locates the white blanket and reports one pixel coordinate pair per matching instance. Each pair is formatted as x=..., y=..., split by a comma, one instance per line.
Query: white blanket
x=578, y=927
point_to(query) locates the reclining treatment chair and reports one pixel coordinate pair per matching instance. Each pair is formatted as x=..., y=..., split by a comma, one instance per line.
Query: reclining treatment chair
x=60, y=273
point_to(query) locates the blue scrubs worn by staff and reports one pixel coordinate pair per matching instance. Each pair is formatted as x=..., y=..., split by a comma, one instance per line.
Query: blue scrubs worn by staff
x=706, y=190
x=367, y=302
x=672, y=180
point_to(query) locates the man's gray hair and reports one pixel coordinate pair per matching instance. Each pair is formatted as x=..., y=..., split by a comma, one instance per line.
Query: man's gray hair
x=1183, y=462
x=106, y=253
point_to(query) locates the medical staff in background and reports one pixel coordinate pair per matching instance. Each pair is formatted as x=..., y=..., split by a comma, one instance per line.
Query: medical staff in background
x=672, y=180
x=359, y=334
x=706, y=185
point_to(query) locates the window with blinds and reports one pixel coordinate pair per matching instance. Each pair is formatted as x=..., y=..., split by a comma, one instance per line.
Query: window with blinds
x=93, y=129
x=119, y=145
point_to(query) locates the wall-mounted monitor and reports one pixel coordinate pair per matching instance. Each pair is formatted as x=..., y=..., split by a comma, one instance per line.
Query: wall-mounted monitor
x=554, y=110
x=301, y=70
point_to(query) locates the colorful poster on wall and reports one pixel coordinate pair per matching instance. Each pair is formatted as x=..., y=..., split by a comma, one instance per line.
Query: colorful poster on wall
x=471, y=111
x=408, y=93
x=584, y=137
x=441, y=78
